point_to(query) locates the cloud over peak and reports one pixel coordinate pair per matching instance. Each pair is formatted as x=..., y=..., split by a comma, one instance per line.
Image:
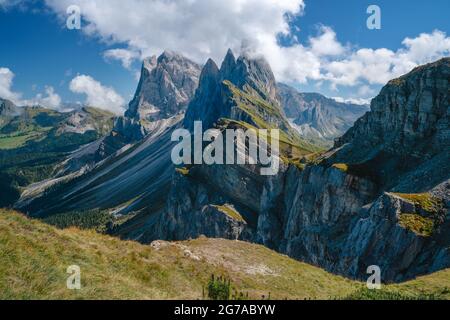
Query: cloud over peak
x=48, y=99
x=202, y=29
x=6, y=81
x=97, y=95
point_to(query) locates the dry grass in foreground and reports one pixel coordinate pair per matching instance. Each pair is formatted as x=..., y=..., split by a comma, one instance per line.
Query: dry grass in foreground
x=34, y=258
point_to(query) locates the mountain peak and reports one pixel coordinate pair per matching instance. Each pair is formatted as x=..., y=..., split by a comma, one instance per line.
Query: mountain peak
x=228, y=64
x=7, y=107
x=409, y=109
x=168, y=53
x=210, y=68
x=256, y=73
x=166, y=86
x=150, y=63
x=222, y=94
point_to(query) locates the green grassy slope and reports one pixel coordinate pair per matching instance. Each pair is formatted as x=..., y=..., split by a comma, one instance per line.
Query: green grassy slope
x=31, y=146
x=34, y=258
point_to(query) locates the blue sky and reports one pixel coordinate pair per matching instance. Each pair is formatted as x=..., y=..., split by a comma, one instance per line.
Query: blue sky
x=40, y=52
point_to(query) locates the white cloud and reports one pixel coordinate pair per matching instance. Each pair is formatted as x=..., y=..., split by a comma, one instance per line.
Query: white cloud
x=201, y=29
x=6, y=81
x=381, y=65
x=126, y=57
x=97, y=95
x=6, y=4
x=359, y=101
x=50, y=100
x=198, y=28
x=425, y=47
x=326, y=44
x=365, y=91
x=207, y=28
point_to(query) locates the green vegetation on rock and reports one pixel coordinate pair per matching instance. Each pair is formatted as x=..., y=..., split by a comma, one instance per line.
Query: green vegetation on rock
x=264, y=115
x=341, y=166
x=416, y=223
x=98, y=220
x=183, y=170
x=231, y=212
x=424, y=200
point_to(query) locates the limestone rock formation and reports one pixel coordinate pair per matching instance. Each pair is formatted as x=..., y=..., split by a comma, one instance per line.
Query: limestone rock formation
x=7, y=108
x=166, y=86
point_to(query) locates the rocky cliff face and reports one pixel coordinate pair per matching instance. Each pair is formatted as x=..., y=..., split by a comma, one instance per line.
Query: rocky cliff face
x=166, y=86
x=407, y=131
x=410, y=115
x=340, y=215
x=316, y=117
x=243, y=89
x=7, y=108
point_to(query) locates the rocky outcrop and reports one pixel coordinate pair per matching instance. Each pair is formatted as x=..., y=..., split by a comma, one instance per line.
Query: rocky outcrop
x=404, y=139
x=243, y=89
x=340, y=216
x=7, y=108
x=320, y=215
x=166, y=86
x=337, y=221
x=380, y=237
x=87, y=119
x=197, y=209
x=410, y=116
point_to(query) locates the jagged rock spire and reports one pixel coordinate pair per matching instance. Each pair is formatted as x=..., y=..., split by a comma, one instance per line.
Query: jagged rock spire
x=228, y=65
x=210, y=69
x=257, y=74
x=214, y=98
x=166, y=86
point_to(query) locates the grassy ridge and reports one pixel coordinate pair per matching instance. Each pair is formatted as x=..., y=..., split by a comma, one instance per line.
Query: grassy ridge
x=34, y=258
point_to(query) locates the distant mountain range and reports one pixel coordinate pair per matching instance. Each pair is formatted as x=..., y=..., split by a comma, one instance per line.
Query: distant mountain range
x=379, y=195
x=316, y=117
x=34, y=140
